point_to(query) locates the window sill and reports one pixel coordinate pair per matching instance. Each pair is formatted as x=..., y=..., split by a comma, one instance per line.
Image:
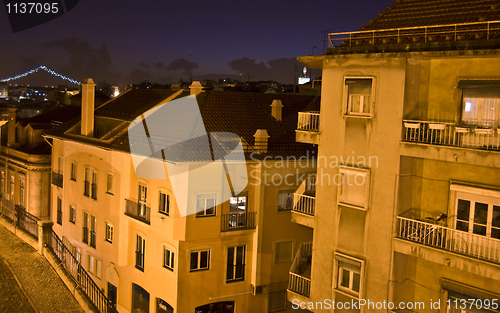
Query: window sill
x=202, y=216
x=284, y=210
x=168, y=268
x=347, y=294
x=361, y=116
x=198, y=270
x=238, y=280
x=352, y=206
x=108, y=241
x=110, y=193
x=72, y=222
x=140, y=268
x=164, y=213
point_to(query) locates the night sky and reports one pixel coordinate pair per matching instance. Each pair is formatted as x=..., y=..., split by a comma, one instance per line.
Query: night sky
x=126, y=41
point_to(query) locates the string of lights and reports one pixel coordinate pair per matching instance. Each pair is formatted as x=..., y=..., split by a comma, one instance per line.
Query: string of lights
x=41, y=67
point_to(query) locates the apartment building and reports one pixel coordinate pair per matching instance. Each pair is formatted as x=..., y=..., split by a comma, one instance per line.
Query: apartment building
x=407, y=198
x=232, y=253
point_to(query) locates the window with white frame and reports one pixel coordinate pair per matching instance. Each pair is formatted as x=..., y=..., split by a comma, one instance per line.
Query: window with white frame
x=142, y=198
x=205, y=205
x=140, y=250
x=480, y=102
x=72, y=214
x=168, y=258
x=348, y=274
x=353, y=187
x=283, y=251
x=164, y=203
x=239, y=203
x=73, y=171
x=359, y=96
x=200, y=260
x=285, y=200
x=109, y=232
x=110, y=183
x=235, y=264
x=95, y=266
x=22, y=191
x=477, y=211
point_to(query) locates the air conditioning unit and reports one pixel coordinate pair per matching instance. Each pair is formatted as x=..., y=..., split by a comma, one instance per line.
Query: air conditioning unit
x=259, y=290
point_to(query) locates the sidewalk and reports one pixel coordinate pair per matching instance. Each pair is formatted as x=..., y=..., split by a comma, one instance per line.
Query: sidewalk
x=38, y=279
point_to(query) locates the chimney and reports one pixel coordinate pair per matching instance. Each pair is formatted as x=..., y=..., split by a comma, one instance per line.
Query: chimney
x=11, y=128
x=261, y=139
x=196, y=88
x=88, y=95
x=276, y=109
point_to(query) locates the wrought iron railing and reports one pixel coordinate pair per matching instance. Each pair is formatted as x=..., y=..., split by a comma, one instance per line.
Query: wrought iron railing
x=57, y=179
x=308, y=121
x=238, y=221
x=450, y=134
x=27, y=221
x=138, y=211
x=80, y=276
x=7, y=208
x=304, y=204
x=453, y=240
x=300, y=272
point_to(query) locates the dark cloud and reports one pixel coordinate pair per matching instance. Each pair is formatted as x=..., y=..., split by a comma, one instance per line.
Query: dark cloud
x=181, y=64
x=159, y=65
x=281, y=70
x=144, y=64
x=84, y=60
x=137, y=76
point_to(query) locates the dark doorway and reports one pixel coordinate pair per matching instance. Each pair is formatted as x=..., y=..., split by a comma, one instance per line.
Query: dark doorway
x=112, y=293
x=219, y=307
x=140, y=299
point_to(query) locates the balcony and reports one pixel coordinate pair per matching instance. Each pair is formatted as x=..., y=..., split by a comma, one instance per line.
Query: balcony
x=238, y=221
x=304, y=202
x=308, y=127
x=300, y=273
x=138, y=211
x=57, y=179
x=426, y=232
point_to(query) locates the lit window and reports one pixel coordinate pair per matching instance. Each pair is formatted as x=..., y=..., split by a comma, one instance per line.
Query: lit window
x=22, y=191
x=95, y=266
x=164, y=203
x=238, y=204
x=205, y=205
x=72, y=214
x=200, y=260
x=235, y=264
x=353, y=187
x=349, y=274
x=283, y=251
x=168, y=259
x=110, y=182
x=359, y=96
x=143, y=196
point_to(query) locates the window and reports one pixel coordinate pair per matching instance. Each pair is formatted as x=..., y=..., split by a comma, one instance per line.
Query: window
x=238, y=204
x=349, y=274
x=235, y=264
x=22, y=191
x=59, y=211
x=200, y=260
x=163, y=307
x=205, y=205
x=60, y=165
x=2, y=181
x=86, y=182
x=277, y=301
x=143, y=196
x=72, y=214
x=110, y=182
x=93, y=235
x=353, y=188
x=168, y=259
x=94, y=185
x=85, y=236
x=285, y=200
x=480, y=102
x=476, y=213
x=95, y=266
x=164, y=203
x=359, y=95
x=11, y=186
x=73, y=171
x=109, y=232
x=283, y=251
x=139, y=253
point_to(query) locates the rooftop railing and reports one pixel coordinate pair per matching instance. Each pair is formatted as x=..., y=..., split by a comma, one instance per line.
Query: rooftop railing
x=487, y=30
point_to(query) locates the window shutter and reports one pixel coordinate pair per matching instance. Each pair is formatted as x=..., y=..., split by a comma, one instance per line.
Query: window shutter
x=354, y=188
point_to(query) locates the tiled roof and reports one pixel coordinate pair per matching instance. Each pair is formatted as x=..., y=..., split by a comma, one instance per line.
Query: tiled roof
x=414, y=13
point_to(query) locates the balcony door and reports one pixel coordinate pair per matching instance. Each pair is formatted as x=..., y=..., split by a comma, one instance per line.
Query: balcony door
x=143, y=194
x=238, y=209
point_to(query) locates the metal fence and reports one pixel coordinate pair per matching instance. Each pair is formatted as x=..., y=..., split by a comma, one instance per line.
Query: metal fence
x=81, y=277
x=308, y=121
x=238, y=221
x=27, y=221
x=139, y=211
x=304, y=204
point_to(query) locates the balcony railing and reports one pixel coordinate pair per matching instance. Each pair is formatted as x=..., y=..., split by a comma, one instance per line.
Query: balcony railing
x=57, y=179
x=27, y=221
x=139, y=211
x=7, y=207
x=300, y=272
x=304, y=203
x=453, y=240
x=449, y=134
x=238, y=221
x=308, y=121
